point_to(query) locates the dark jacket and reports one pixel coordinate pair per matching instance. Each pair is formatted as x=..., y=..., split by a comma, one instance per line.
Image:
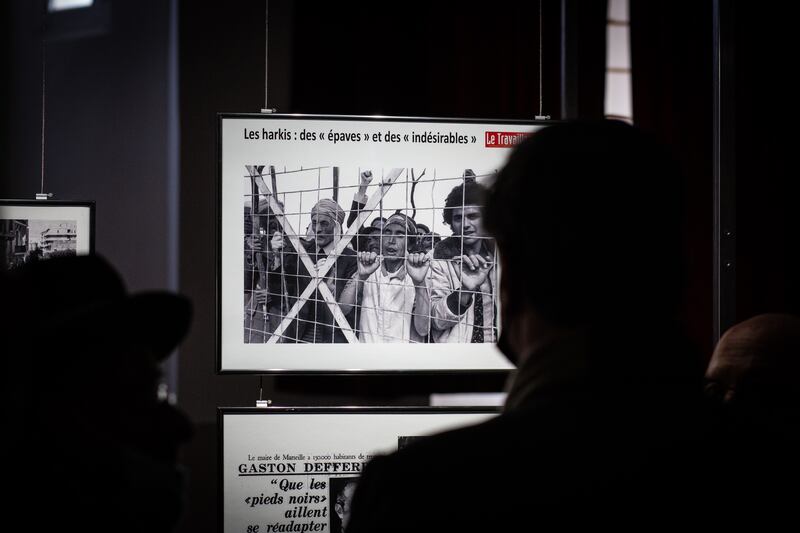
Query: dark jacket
x=450, y=248
x=315, y=318
x=569, y=452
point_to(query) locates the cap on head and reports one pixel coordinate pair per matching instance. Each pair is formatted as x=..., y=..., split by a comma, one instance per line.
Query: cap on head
x=72, y=303
x=330, y=208
x=405, y=221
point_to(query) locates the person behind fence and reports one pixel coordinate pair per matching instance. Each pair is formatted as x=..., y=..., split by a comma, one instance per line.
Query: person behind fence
x=603, y=424
x=369, y=237
x=360, y=198
x=368, y=240
x=363, y=240
x=391, y=283
x=462, y=273
x=427, y=239
x=263, y=291
x=315, y=321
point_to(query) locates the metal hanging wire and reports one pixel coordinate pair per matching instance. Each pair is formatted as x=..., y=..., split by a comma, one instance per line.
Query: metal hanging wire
x=541, y=115
x=266, y=108
x=41, y=195
x=541, y=96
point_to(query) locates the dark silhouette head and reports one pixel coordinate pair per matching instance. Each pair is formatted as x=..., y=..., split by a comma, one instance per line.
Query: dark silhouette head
x=86, y=366
x=80, y=304
x=756, y=364
x=751, y=381
x=588, y=219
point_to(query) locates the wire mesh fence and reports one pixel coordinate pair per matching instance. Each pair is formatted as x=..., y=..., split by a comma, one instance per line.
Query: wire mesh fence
x=408, y=262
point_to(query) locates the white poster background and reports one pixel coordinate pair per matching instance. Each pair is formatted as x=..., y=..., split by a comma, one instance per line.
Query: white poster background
x=238, y=149
x=260, y=435
x=80, y=214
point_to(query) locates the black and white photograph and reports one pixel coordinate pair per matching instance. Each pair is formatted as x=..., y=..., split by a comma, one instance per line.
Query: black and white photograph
x=36, y=231
x=297, y=468
x=27, y=241
x=351, y=255
x=340, y=496
x=363, y=236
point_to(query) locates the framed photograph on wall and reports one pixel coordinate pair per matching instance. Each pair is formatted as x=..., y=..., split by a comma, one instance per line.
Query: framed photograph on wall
x=356, y=244
x=34, y=230
x=295, y=469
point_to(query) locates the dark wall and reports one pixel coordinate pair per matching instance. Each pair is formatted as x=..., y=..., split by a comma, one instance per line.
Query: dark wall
x=767, y=266
x=221, y=69
x=673, y=98
x=673, y=101
x=107, y=129
x=110, y=126
x=424, y=59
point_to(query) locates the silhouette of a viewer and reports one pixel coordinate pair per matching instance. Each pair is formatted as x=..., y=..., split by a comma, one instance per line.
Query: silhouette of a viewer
x=603, y=421
x=93, y=447
x=755, y=367
x=752, y=379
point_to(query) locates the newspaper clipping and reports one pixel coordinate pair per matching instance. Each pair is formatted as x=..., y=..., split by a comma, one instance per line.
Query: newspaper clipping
x=279, y=478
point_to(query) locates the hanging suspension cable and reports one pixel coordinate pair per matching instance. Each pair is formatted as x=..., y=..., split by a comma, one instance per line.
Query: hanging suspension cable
x=266, y=54
x=541, y=96
x=41, y=190
x=266, y=108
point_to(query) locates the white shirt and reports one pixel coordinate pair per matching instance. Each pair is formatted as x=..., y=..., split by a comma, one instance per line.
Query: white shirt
x=386, y=306
x=445, y=278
